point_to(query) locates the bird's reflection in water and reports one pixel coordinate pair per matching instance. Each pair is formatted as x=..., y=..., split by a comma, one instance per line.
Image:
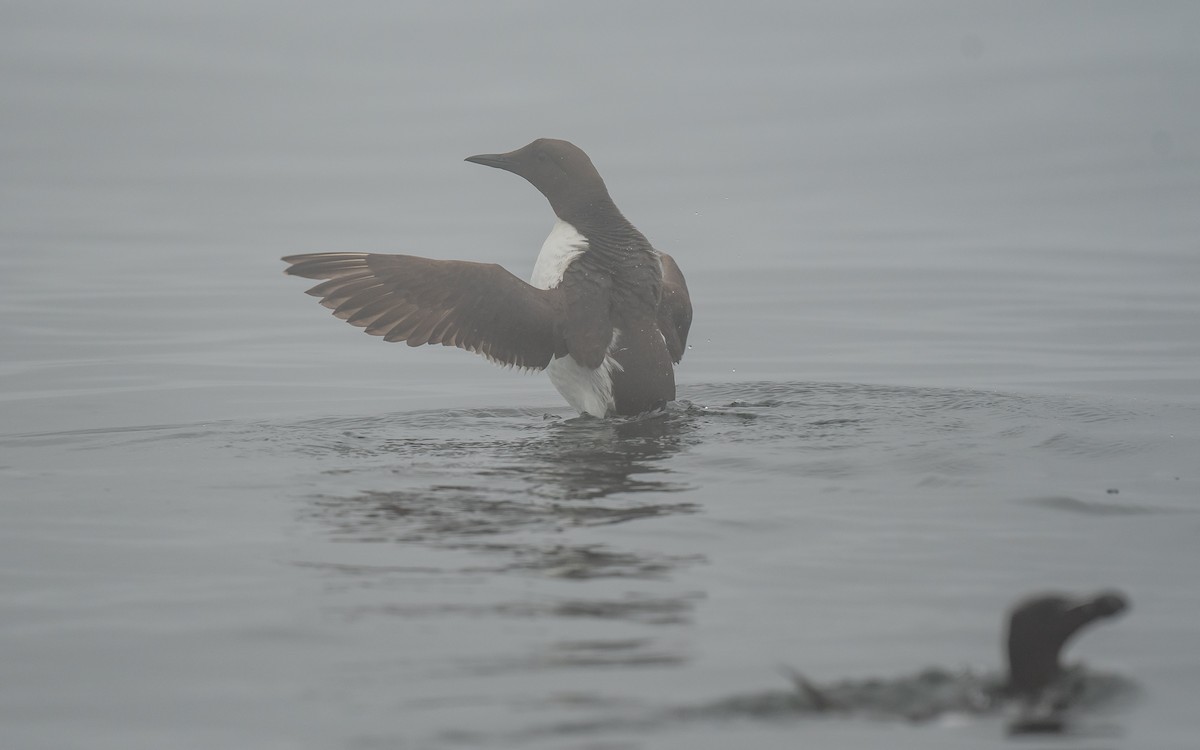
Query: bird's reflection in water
x=504, y=482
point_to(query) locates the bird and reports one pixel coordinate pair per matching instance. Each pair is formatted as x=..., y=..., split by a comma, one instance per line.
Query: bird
x=1038, y=629
x=604, y=313
x=1037, y=684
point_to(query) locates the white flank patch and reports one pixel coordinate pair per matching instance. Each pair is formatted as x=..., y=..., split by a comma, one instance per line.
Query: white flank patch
x=588, y=391
x=562, y=246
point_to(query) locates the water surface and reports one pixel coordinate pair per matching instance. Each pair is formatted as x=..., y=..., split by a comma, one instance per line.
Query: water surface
x=944, y=261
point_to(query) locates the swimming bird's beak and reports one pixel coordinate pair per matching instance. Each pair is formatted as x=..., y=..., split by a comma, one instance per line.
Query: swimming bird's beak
x=499, y=161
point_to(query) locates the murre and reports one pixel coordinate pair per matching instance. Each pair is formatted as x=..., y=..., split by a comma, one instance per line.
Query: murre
x=604, y=313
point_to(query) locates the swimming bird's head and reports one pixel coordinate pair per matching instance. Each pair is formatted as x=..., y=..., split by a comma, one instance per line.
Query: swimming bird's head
x=1040, y=626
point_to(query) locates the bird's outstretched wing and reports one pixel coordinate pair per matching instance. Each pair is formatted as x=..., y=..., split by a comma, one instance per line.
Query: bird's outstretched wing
x=479, y=307
x=674, y=309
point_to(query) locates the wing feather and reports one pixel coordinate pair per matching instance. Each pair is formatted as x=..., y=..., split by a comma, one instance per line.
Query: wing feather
x=479, y=307
x=674, y=309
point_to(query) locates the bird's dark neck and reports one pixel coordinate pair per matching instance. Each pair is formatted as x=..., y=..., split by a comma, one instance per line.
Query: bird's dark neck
x=605, y=227
x=593, y=213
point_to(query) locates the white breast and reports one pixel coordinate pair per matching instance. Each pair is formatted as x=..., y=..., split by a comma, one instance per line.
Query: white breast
x=563, y=245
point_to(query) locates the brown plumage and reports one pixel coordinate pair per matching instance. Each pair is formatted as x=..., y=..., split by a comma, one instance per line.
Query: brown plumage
x=616, y=307
x=424, y=301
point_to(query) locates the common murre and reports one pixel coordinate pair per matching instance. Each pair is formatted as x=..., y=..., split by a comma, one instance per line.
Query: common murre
x=1042, y=692
x=1038, y=629
x=605, y=313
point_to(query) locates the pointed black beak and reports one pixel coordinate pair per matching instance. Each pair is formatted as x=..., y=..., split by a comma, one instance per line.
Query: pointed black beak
x=499, y=161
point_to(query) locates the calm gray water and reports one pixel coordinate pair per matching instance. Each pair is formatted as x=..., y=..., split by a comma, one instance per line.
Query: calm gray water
x=945, y=262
